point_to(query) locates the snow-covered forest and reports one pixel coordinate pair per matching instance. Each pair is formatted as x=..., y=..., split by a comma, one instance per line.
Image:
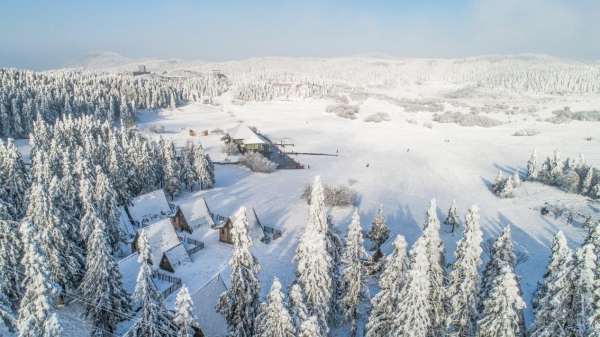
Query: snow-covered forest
x=418, y=247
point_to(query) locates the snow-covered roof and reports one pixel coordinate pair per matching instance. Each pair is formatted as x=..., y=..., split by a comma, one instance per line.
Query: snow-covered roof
x=241, y=131
x=197, y=214
x=161, y=237
x=205, y=300
x=387, y=248
x=178, y=256
x=254, y=139
x=129, y=268
x=125, y=224
x=255, y=229
x=149, y=208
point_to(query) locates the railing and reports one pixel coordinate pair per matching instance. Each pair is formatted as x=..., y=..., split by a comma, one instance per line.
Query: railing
x=198, y=245
x=168, y=278
x=276, y=232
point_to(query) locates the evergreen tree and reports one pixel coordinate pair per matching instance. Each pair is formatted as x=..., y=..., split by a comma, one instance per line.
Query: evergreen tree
x=501, y=252
x=52, y=327
x=117, y=178
x=552, y=301
x=203, y=167
x=184, y=313
x=34, y=311
x=7, y=315
x=154, y=320
x=516, y=179
x=412, y=314
x=353, y=286
x=381, y=320
x=506, y=191
x=463, y=281
x=310, y=328
x=436, y=254
x=65, y=257
x=500, y=315
x=102, y=286
x=11, y=253
x=590, y=223
x=106, y=208
x=171, y=171
x=532, y=166
x=585, y=290
x=497, y=185
x=274, y=319
x=593, y=238
x=379, y=231
x=15, y=178
x=586, y=183
x=296, y=307
x=556, y=168
x=240, y=304
x=452, y=219
x=188, y=174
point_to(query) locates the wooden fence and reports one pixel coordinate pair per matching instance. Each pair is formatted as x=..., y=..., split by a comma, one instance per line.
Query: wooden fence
x=198, y=245
x=168, y=278
x=276, y=232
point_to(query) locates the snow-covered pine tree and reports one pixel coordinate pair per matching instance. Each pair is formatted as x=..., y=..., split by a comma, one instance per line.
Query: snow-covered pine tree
x=203, y=167
x=552, y=301
x=171, y=171
x=16, y=179
x=240, y=304
x=590, y=223
x=497, y=185
x=452, y=219
x=154, y=319
x=102, y=286
x=105, y=199
x=500, y=314
x=544, y=173
x=188, y=173
x=52, y=327
x=586, y=183
x=11, y=253
x=118, y=177
x=210, y=172
x=313, y=273
x=310, y=328
x=39, y=288
x=7, y=315
x=412, y=313
x=506, y=191
x=381, y=320
x=583, y=310
x=379, y=232
x=532, y=166
x=65, y=257
x=516, y=179
x=556, y=168
x=436, y=254
x=463, y=281
x=274, y=320
x=184, y=313
x=353, y=286
x=500, y=252
x=296, y=307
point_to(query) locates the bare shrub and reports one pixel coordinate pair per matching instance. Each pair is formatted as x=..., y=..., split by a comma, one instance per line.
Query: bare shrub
x=341, y=195
x=527, y=132
x=466, y=120
x=411, y=121
x=428, y=125
x=378, y=117
x=343, y=110
x=257, y=162
x=230, y=148
x=352, y=181
x=155, y=128
x=237, y=102
x=216, y=131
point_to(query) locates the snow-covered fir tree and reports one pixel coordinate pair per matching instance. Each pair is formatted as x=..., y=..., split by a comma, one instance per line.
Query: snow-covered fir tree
x=583, y=310
x=586, y=182
x=452, y=219
x=436, y=254
x=154, y=319
x=500, y=317
x=379, y=232
x=240, y=303
x=501, y=252
x=107, y=210
x=274, y=320
x=310, y=328
x=39, y=288
x=313, y=272
x=412, y=313
x=516, y=179
x=11, y=253
x=171, y=171
x=506, y=191
x=552, y=301
x=497, y=185
x=381, y=320
x=15, y=179
x=65, y=257
x=544, y=173
x=463, y=281
x=184, y=317
x=203, y=167
x=590, y=223
x=52, y=327
x=532, y=166
x=107, y=302
x=188, y=173
x=296, y=307
x=353, y=285
x=115, y=172
x=556, y=168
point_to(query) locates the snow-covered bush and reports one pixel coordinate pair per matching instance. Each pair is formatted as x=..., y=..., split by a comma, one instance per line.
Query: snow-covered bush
x=378, y=117
x=230, y=148
x=343, y=110
x=341, y=195
x=257, y=162
x=466, y=120
x=428, y=125
x=155, y=128
x=216, y=131
x=411, y=121
x=527, y=132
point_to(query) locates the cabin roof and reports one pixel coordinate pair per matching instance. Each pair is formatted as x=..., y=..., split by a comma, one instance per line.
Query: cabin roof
x=149, y=208
x=254, y=139
x=178, y=256
x=241, y=131
x=255, y=229
x=129, y=268
x=161, y=237
x=197, y=213
x=125, y=224
x=205, y=300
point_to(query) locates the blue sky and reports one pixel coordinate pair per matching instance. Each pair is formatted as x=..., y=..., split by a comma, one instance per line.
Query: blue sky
x=48, y=34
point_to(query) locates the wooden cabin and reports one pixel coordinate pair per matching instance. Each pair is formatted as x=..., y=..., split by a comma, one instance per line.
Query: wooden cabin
x=211, y=323
x=193, y=215
x=167, y=251
x=224, y=228
x=255, y=228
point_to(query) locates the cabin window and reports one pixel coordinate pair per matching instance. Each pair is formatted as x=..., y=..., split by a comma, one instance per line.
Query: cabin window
x=222, y=230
